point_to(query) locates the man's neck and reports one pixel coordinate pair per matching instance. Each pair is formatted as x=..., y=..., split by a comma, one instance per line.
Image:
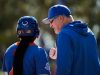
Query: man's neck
x=68, y=20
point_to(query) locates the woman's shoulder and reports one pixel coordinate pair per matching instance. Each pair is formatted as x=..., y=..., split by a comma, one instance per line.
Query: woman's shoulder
x=10, y=49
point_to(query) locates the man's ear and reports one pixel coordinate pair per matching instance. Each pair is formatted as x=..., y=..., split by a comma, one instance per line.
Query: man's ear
x=61, y=18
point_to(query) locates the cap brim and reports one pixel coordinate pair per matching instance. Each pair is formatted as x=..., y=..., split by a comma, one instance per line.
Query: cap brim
x=46, y=21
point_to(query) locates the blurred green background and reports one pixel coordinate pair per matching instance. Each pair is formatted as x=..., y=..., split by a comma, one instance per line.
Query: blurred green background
x=12, y=10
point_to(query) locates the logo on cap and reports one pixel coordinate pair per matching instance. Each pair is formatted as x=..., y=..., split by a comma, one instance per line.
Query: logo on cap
x=25, y=23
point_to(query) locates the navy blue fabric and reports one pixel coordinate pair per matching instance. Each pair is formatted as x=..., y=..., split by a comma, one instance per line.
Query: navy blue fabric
x=35, y=61
x=77, y=51
x=27, y=26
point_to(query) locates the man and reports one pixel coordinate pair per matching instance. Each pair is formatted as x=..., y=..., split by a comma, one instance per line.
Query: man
x=76, y=43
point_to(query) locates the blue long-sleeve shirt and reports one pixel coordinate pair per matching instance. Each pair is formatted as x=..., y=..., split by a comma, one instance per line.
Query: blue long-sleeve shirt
x=35, y=60
x=77, y=51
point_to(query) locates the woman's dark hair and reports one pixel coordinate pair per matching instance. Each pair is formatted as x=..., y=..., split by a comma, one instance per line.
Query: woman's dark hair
x=19, y=55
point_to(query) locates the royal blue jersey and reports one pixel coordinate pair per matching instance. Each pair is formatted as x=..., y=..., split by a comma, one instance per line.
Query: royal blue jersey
x=35, y=61
x=77, y=51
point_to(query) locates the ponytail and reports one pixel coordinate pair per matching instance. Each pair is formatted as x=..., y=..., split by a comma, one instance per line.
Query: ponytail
x=19, y=55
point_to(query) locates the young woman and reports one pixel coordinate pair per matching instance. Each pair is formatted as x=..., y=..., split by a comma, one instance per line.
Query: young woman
x=25, y=57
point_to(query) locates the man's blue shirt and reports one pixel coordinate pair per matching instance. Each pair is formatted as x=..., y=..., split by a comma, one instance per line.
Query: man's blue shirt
x=77, y=50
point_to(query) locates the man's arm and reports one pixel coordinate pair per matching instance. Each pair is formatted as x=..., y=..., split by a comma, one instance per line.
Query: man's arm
x=64, y=54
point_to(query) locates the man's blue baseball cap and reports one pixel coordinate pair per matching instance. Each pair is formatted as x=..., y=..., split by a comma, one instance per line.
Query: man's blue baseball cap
x=56, y=10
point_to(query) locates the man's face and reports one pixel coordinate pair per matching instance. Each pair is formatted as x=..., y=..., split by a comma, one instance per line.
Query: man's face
x=55, y=23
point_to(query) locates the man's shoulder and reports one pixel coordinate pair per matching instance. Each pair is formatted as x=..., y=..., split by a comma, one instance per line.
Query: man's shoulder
x=66, y=32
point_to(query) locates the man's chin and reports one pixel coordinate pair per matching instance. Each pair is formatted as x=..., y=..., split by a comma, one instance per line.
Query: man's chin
x=56, y=32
